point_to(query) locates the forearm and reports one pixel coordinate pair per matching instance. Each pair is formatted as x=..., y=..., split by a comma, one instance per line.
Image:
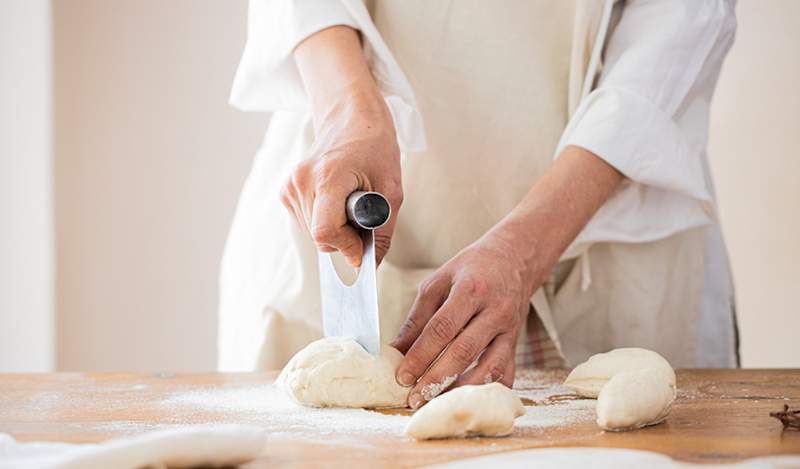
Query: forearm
x=555, y=210
x=335, y=75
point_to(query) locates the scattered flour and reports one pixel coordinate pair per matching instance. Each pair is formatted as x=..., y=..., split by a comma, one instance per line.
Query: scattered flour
x=267, y=406
x=555, y=415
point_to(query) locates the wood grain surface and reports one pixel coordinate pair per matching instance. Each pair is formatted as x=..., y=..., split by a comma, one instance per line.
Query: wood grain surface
x=720, y=416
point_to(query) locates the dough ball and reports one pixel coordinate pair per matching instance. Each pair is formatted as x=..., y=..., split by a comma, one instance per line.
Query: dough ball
x=634, y=387
x=634, y=399
x=485, y=410
x=338, y=372
x=588, y=378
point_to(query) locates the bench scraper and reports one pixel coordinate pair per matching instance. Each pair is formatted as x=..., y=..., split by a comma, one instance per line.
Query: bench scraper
x=352, y=310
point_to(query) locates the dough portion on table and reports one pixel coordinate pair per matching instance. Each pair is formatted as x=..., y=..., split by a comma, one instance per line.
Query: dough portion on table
x=483, y=410
x=634, y=387
x=634, y=399
x=338, y=372
x=588, y=378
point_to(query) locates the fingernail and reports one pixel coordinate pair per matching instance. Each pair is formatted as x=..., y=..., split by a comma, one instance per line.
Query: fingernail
x=415, y=400
x=405, y=379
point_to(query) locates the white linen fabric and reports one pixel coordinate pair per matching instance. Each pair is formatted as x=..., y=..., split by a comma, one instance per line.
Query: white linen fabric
x=640, y=79
x=619, y=458
x=192, y=446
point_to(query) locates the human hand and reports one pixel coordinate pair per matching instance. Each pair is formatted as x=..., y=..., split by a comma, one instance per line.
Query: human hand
x=355, y=145
x=471, y=308
x=355, y=149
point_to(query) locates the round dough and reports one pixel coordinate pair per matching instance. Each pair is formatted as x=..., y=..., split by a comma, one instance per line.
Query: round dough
x=484, y=410
x=634, y=387
x=634, y=399
x=590, y=376
x=338, y=372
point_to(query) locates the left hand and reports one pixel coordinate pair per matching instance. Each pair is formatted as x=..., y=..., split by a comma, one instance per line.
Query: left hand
x=475, y=303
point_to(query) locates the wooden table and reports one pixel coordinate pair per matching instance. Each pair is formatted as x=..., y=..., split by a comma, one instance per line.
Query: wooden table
x=720, y=416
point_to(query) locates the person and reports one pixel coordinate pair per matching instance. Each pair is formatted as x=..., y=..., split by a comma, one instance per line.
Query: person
x=545, y=161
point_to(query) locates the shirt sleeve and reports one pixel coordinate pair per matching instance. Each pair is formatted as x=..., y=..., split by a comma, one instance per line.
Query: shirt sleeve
x=268, y=79
x=648, y=114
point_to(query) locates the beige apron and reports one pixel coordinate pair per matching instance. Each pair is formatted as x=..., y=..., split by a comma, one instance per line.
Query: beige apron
x=494, y=101
x=493, y=82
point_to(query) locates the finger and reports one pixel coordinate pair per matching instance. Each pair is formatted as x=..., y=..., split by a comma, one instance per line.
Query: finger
x=493, y=364
x=289, y=200
x=431, y=294
x=383, y=240
x=383, y=236
x=303, y=194
x=460, y=354
x=443, y=327
x=330, y=227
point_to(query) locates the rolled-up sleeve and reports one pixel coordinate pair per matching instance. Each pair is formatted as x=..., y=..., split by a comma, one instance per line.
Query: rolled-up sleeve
x=662, y=59
x=268, y=78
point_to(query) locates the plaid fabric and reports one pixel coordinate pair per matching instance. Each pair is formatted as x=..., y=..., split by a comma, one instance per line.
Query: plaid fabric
x=536, y=349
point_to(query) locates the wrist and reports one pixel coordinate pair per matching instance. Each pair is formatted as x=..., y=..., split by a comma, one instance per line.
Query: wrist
x=531, y=254
x=560, y=204
x=358, y=102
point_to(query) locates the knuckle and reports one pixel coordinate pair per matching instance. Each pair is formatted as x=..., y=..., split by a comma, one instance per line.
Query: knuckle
x=496, y=369
x=323, y=234
x=443, y=328
x=284, y=195
x=475, y=286
x=325, y=171
x=301, y=171
x=299, y=181
x=506, y=310
x=413, y=365
x=410, y=326
x=393, y=190
x=426, y=286
x=464, y=350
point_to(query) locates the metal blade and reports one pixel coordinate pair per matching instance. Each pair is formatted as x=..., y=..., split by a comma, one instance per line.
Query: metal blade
x=351, y=310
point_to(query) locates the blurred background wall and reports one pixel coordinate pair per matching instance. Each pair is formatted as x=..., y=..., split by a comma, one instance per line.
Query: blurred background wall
x=755, y=158
x=148, y=160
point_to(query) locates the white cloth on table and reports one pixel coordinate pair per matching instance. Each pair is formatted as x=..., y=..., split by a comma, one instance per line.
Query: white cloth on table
x=190, y=446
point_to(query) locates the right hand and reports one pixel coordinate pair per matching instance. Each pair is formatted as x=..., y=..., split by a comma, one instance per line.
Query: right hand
x=355, y=148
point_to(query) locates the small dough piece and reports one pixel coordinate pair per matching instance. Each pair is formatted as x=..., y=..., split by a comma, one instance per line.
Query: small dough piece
x=338, y=372
x=634, y=399
x=588, y=378
x=483, y=410
x=634, y=387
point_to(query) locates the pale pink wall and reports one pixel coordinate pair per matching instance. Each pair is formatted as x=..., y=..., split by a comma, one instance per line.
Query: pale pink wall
x=755, y=158
x=149, y=160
